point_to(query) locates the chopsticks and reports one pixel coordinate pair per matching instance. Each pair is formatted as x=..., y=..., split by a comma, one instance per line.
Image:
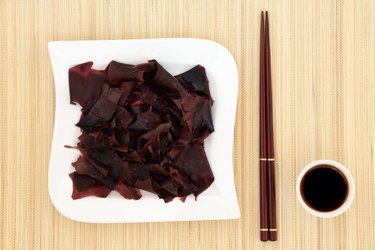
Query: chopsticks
x=268, y=229
x=263, y=138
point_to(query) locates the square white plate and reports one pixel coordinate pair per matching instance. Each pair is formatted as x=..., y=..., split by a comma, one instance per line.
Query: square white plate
x=218, y=202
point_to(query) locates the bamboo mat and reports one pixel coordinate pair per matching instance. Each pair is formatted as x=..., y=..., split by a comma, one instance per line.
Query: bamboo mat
x=324, y=87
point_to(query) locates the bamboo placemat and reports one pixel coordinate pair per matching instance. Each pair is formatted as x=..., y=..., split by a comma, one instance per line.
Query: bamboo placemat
x=323, y=68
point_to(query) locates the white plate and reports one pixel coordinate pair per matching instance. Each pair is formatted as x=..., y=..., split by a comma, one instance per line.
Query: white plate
x=218, y=202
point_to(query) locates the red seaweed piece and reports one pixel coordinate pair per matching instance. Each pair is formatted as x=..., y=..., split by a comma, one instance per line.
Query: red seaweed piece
x=191, y=159
x=85, y=85
x=127, y=191
x=195, y=80
x=122, y=119
x=119, y=72
x=102, y=111
x=128, y=89
x=142, y=129
x=145, y=121
x=84, y=167
x=199, y=106
x=161, y=78
x=104, y=159
x=84, y=186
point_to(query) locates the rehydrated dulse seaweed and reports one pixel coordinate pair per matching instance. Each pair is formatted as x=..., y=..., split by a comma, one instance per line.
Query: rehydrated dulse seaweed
x=142, y=128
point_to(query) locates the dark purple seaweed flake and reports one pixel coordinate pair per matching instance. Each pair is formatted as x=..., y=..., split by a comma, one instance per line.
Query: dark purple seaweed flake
x=142, y=129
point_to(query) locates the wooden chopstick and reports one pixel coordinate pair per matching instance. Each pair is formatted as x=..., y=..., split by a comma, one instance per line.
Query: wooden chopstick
x=268, y=229
x=263, y=137
x=271, y=197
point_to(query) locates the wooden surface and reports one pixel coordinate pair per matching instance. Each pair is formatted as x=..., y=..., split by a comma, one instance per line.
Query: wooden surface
x=324, y=87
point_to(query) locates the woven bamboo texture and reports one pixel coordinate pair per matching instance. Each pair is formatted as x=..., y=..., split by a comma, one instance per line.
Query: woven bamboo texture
x=323, y=72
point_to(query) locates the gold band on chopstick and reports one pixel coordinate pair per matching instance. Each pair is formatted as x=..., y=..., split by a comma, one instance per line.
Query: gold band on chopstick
x=272, y=229
x=267, y=159
x=264, y=229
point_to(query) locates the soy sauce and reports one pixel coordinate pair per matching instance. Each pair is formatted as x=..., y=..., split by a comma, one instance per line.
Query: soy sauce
x=324, y=188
